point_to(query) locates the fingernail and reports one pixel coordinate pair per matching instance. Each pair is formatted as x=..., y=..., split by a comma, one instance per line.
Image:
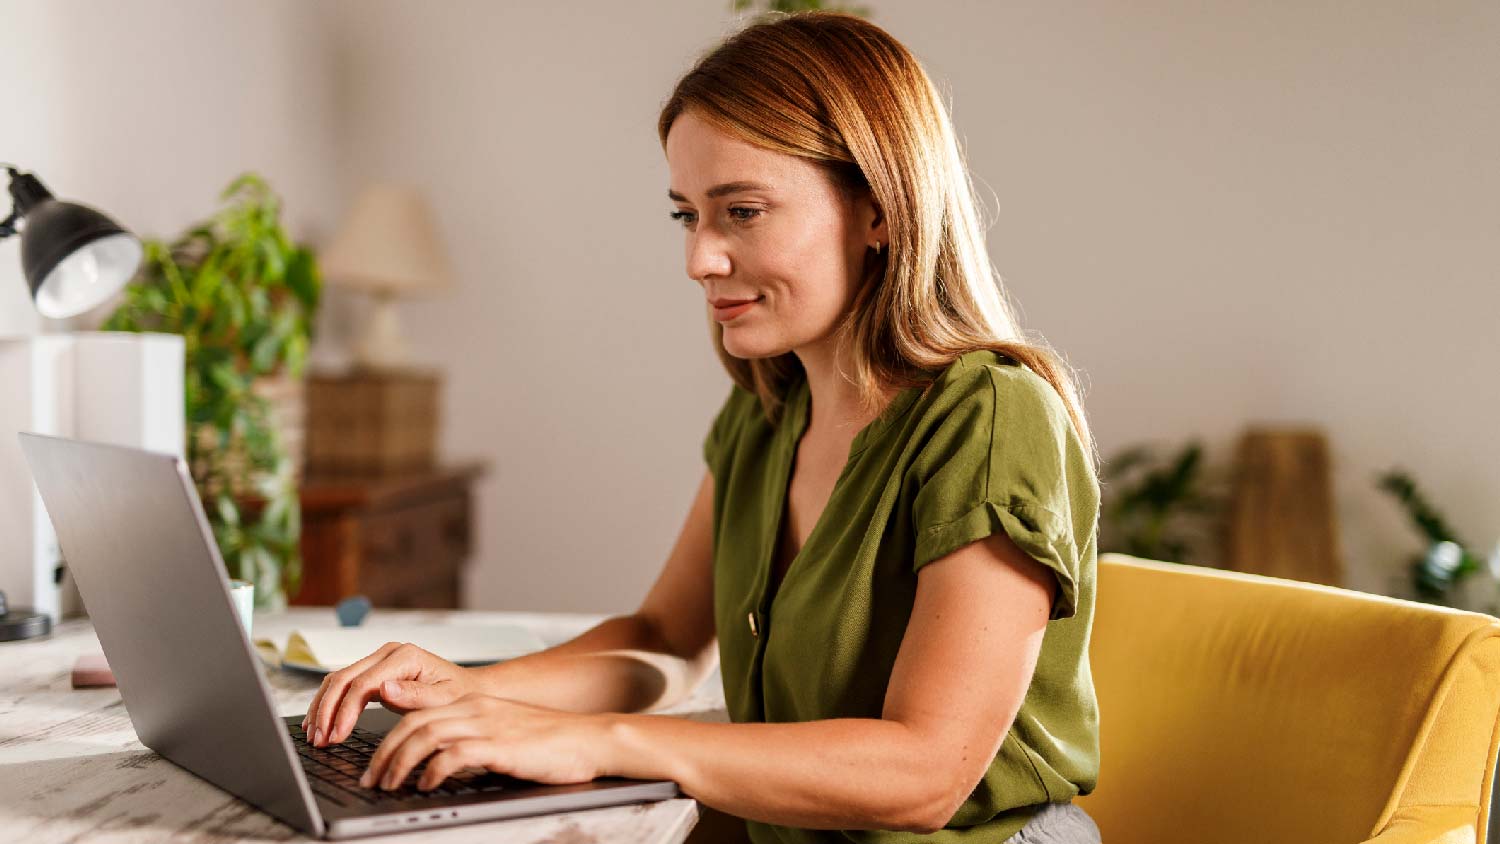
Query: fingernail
x=392, y=689
x=318, y=736
x=364, y=779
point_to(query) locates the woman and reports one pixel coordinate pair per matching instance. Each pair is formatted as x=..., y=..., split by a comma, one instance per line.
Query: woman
x=893, y=550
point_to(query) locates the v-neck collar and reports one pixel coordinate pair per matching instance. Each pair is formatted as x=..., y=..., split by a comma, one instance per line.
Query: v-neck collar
x=798, y=409
x=793, y=425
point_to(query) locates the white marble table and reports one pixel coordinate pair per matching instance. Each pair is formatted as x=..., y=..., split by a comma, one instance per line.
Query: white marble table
x=72, y=769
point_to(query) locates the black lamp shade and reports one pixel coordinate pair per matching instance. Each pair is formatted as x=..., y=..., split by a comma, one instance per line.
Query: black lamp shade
x=73, y=257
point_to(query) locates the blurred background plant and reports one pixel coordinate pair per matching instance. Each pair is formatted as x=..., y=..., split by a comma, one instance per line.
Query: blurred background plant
x=244, y=299
x=1162, y=505
x=1438, y=574
x=769, y=8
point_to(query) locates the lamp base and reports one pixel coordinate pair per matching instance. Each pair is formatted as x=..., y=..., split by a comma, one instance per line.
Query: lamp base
x=381, y=344
x=22, y=623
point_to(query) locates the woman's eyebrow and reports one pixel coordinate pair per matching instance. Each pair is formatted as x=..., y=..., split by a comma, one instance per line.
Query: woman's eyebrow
x=721, y=190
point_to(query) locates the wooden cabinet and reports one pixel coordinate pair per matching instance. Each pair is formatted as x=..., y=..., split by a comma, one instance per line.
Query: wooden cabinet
x=400, y=540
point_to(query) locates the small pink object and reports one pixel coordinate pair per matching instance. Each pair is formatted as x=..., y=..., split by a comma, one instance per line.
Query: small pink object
x=90, y=671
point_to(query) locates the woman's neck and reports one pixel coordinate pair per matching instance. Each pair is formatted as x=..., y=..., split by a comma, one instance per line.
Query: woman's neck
x=835, y=412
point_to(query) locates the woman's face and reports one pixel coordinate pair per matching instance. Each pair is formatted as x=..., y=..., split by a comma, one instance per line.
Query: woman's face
x=770, y=230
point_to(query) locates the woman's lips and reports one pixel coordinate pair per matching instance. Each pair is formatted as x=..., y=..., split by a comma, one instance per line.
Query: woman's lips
x=729, y=312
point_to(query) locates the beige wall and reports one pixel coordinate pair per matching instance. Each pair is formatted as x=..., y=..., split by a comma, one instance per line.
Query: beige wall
x=1222, y=213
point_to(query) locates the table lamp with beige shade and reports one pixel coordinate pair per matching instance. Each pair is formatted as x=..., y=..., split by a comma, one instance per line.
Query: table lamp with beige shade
x=382, y=416
x=388, y=247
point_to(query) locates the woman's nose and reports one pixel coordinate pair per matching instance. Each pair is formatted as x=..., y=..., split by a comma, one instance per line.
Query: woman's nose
x=706, y=256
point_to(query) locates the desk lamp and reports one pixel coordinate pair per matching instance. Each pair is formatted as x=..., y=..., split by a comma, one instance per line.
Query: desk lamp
x=73, y=258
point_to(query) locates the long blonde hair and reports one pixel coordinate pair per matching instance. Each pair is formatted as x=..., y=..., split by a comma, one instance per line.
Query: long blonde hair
x=841, y=92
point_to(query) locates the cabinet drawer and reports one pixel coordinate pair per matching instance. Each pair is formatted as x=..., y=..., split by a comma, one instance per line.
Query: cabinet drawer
x=410, y=556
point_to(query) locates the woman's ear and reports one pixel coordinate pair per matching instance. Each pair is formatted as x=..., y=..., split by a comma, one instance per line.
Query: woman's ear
x=874, y=221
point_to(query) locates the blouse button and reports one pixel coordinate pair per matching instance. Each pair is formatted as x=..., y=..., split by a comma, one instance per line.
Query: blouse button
x=754, y=629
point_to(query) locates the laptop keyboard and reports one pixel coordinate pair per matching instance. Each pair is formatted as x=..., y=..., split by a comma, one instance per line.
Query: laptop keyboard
x=334, y=771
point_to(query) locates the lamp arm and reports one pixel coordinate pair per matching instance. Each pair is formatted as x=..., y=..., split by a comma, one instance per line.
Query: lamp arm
x=8, y=225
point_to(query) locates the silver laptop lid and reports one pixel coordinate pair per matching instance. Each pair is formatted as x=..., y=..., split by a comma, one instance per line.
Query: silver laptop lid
x=135, y=537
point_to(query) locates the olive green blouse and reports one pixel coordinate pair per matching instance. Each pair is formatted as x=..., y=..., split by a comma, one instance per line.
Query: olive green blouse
x=987, y=446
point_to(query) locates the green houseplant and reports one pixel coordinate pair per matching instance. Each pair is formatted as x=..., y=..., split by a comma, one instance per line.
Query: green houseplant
x=774, y=6
x=1158, y=505
x=1448, y=560
x=243, y=297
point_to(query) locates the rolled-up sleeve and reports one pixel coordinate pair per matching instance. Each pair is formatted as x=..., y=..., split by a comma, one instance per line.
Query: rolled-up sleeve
x=1005, y=458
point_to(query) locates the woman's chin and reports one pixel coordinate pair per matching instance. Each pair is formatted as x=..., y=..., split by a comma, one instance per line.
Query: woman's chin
x=746, y=348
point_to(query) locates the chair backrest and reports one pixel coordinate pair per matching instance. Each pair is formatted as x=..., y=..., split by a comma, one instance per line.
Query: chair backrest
x=1242, y=708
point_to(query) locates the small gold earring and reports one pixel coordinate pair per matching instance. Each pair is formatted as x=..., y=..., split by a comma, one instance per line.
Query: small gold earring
x=878, y=247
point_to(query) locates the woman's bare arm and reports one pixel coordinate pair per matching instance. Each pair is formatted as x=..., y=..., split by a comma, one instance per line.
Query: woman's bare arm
x=964, y=665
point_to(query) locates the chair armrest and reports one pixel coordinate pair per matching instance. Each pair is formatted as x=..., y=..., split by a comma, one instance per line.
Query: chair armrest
x=1430, y=825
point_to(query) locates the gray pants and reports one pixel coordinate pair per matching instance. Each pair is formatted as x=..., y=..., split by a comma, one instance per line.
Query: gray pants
x=1058, y=823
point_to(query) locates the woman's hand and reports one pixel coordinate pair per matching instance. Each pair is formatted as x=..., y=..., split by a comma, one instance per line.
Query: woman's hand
x=401, y=677
x=504, y=736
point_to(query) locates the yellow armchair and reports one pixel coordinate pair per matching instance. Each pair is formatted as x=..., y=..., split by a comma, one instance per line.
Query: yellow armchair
x=1241, y=708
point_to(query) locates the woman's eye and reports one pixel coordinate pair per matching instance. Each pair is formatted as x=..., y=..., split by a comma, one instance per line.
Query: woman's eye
x=686, y=217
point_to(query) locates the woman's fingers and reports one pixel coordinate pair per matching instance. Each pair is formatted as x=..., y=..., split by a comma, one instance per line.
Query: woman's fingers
x=401, y=663
x=498, y=735
x=320, y=713
x=410, y=749
x=392, y=740
x=403, y=696
x=311, y=722
x=464, y=753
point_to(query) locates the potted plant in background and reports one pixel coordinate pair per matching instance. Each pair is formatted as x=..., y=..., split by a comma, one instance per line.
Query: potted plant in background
x=244, y=298
x=1449, y=571
x=769, y=8
x=1160, y=506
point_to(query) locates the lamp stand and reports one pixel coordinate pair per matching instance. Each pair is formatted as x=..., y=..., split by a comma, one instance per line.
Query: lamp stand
x=381, y=344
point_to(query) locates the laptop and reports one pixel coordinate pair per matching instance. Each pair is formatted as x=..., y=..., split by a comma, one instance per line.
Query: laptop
x=133, y=532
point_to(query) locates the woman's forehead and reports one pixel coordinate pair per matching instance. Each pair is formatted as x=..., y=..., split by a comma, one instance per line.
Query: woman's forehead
x=704, y=160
